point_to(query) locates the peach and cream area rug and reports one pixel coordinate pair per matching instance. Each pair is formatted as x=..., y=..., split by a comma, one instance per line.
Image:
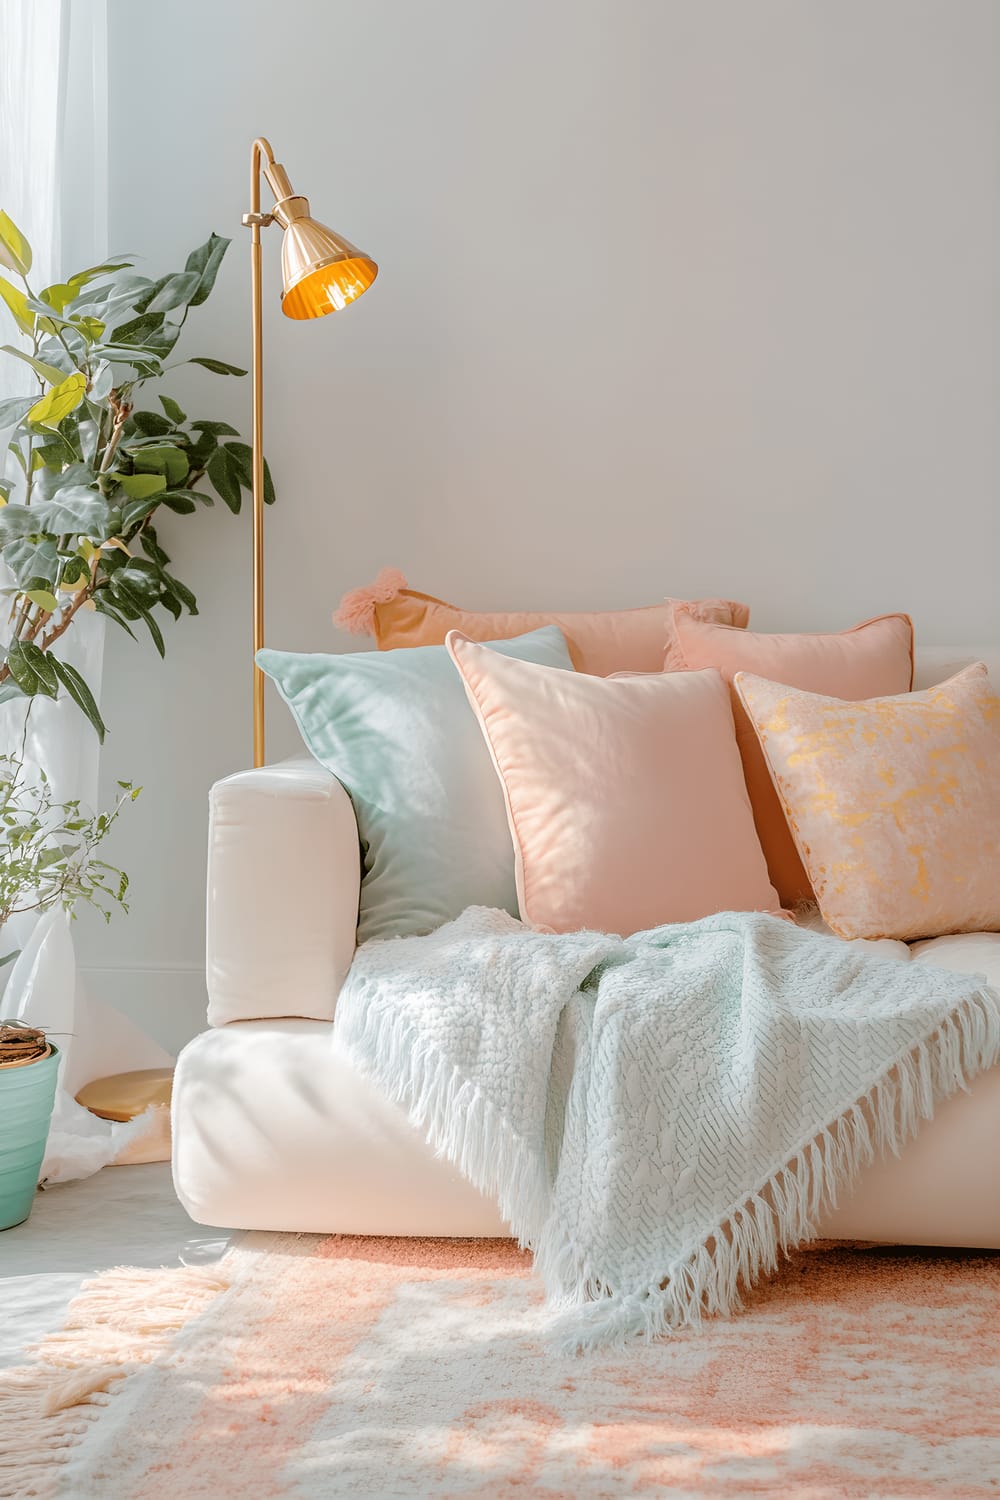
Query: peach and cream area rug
x=314, y=1367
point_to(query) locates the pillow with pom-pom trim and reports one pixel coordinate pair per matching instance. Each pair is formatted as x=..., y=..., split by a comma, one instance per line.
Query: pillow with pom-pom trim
x=600, y=642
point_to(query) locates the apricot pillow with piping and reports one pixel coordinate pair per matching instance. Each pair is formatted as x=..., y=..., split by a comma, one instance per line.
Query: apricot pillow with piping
x=894, y=803
x=625, y=796
x=873, y=659
x=602, y=642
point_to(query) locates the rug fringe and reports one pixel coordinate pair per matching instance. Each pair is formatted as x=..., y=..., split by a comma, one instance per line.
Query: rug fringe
x=782, y=1213
x=124, y=1318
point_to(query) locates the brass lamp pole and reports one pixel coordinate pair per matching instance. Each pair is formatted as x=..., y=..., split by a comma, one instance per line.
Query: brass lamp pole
x=321, y=272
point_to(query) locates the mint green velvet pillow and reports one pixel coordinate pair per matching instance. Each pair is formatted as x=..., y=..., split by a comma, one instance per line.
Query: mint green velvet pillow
x=396, y=729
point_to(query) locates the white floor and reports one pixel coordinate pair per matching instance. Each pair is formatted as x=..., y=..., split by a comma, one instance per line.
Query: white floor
x=120, y=1216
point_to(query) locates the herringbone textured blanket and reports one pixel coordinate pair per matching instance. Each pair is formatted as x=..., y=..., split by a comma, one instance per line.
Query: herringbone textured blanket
x=659, y=1117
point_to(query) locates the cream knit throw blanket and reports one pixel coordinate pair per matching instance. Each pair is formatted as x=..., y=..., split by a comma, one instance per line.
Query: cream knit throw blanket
x=659, y=1117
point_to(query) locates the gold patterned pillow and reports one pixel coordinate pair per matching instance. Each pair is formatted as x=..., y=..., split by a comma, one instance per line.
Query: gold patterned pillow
x=894, y=803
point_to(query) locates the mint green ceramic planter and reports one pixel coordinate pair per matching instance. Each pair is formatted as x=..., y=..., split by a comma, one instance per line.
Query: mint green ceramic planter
x=26, y=1097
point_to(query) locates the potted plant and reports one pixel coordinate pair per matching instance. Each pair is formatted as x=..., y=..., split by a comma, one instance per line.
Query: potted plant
x=50, y=858
x=92, y=466
x=29, y=1067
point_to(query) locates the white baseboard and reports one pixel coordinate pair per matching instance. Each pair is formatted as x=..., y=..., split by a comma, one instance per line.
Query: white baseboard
x=169, y=1004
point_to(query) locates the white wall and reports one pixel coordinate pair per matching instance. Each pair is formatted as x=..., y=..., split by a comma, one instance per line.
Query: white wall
x=676, y=296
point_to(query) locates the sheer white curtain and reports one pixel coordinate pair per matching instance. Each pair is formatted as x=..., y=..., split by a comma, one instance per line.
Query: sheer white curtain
x=33, y=57
x=53, y=184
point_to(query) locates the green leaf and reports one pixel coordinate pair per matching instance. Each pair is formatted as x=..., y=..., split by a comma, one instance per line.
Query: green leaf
x=200, y=452
x=149, y=423
x=205, y=261
x=32, y=670
x=111, y=560
x=150, y=545
x=137, y=332
x=43, y=599
x=59, y=295
x=101, y=382
x=217, y=366
x=14, y=409
x=217, y=429
x=170, y=603
x=103, y=607
x=77, y=510
x=93, y=272
x=162, y=458
x=55, y=478
x=137, y=510
x=46, y=317
x=59, y=401
x=223, y=473
x=243, y=456
x=73, y=569
x=18, y=304
x=143, y=575
x=141, y=486
x=183, y=593
x=173, y=411
x=80, y=693
x=92, y=329
x=179, y=503
x=242, y=462
x=15, y=252
x=48, y=372
x=155, y=633
x=171, y=292
x=148, y=332
x=17, y=521
x=128, y=596
x=29, y=560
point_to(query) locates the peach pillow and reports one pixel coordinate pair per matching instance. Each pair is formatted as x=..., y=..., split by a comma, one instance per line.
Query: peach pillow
x=874, y=658
x=894, y=803
x=606, y=641
x=625, y=797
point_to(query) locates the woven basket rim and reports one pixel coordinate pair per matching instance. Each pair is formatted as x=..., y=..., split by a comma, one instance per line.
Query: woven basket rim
x=25, y=1062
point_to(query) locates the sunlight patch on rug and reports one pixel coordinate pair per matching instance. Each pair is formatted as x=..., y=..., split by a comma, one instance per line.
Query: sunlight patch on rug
x=339, y=1366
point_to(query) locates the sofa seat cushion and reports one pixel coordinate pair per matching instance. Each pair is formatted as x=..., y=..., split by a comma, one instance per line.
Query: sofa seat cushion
x=274, y=1128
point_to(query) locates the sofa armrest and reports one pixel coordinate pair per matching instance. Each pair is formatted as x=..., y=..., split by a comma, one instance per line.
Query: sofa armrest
x=284, y=871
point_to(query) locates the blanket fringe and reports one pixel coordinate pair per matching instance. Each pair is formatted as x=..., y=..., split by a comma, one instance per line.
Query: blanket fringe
x=783, y=1212
x=458, y=1121
x=748, y=1242
x=125, y=1318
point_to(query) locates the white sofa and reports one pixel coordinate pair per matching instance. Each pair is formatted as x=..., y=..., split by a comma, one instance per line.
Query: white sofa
x=274, y=1129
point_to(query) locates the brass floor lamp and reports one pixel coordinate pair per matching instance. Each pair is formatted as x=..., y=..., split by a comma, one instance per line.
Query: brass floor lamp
x=321, y=272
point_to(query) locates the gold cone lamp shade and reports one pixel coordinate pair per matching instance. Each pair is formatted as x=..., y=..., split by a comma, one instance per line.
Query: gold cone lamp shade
x=321, y=272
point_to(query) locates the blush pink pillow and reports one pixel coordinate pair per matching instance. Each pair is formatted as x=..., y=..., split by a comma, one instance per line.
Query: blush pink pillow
x=894, y=803
x=873, y=659
x=625, y=797
x=599, y=641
